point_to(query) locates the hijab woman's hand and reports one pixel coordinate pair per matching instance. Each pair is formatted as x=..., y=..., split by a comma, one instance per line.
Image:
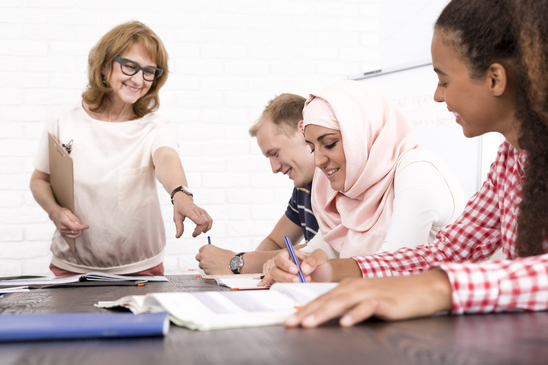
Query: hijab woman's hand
x=315, y=267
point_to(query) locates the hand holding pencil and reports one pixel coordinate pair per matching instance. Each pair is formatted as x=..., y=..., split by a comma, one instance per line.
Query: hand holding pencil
x=315, y=267
x=289, y=246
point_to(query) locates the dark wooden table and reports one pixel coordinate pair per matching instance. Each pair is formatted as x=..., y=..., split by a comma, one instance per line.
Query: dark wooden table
x=520, y=338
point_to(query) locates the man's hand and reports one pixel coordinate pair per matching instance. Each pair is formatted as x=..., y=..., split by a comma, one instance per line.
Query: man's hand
x=214, y=260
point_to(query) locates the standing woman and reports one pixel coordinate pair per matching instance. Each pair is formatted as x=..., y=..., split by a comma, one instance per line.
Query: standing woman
x=491, y=60
x=119, y=147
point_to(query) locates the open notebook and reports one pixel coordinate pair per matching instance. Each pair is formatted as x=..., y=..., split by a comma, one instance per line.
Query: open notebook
x=226, y=309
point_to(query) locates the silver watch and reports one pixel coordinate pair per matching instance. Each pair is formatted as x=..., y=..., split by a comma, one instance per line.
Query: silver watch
x=236, y=263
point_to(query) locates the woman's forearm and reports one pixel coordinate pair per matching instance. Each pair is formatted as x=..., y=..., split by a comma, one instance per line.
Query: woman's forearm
x=254, y=261
x=169, y=169
x=41, y=191
x=345, y=268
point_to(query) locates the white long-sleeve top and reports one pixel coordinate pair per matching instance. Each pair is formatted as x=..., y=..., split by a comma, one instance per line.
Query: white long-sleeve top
x=427, y=197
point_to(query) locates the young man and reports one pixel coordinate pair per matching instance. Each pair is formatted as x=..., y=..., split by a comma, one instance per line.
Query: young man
x=279, y=136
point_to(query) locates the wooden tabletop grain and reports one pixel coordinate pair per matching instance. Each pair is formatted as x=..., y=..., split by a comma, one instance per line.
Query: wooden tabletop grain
x=519, y=338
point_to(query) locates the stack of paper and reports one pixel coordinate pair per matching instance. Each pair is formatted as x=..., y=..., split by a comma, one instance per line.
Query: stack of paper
x=92, y=278
x=13, y=289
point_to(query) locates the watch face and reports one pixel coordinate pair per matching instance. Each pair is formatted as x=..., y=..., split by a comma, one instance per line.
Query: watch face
x=235, y=263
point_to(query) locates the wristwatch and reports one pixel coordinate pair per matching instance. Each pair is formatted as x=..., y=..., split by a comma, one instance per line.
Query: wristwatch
x=236, y=263
x=184, y=189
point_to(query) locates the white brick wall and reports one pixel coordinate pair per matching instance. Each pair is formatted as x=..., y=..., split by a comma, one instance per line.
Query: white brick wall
x=227, y=59
x=405, y=29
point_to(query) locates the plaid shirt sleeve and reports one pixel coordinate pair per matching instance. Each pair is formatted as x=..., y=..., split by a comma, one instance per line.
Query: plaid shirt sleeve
x=491, y=286
x=474, y=237
x=496, y=286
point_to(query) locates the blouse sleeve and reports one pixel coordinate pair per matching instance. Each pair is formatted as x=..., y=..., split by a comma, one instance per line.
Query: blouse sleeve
x=41, y=160
x=166, y=135
x=319, y=243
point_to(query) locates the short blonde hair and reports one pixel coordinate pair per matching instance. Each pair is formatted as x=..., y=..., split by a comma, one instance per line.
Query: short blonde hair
x=285, y=111
x=114, y=43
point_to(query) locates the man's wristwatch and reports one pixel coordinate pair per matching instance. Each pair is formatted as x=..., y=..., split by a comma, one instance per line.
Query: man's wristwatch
x=184, y=189
x=236, y=263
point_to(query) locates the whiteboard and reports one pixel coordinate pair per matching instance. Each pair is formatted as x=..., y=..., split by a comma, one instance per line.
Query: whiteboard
x=412, y=87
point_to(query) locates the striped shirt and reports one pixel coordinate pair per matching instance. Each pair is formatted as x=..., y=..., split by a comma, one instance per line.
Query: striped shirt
x=489, y=222
x=299, y=211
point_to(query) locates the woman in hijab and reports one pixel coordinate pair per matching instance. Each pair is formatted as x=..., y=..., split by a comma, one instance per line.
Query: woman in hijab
x=374, y=188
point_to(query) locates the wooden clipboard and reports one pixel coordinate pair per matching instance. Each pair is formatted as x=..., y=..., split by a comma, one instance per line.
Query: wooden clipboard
x=62, y=179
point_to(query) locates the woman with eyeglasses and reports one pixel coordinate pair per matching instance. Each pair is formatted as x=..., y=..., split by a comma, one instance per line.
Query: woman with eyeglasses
x=119, y=148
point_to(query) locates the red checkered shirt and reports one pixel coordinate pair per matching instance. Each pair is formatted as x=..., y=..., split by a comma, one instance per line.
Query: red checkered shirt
x=488, y=223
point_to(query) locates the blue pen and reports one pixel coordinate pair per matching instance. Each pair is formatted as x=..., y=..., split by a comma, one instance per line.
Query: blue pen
x=294, y=258
x=209, y=240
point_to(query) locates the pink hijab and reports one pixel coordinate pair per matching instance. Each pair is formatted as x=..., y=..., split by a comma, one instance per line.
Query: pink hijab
x=375, y=134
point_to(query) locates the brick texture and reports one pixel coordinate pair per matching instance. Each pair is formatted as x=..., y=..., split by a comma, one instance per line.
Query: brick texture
x=227, y=59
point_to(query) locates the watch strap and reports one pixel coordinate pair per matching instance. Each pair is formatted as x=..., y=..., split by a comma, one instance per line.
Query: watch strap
x=180, y=188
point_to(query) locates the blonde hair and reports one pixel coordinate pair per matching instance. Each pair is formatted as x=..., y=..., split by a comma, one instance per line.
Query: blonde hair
x=285, y=111
x=114, y=43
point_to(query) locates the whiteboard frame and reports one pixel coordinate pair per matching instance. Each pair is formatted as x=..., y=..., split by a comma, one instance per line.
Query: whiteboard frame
x=389, y=70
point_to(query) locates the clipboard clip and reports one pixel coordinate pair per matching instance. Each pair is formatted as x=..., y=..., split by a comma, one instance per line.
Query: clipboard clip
x=67, y=147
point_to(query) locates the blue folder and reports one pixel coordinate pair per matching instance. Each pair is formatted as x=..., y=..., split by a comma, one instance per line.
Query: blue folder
x=23, y=327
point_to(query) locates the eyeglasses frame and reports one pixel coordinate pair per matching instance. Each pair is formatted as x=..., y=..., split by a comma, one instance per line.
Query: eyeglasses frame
x=157, y=71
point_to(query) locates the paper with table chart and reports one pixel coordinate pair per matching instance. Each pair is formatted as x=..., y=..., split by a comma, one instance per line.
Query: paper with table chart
x=226, y=309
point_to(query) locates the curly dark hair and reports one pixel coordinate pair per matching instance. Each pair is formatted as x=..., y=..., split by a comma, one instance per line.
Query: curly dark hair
x=486, y=32
x=532, y=110
x=531, y=19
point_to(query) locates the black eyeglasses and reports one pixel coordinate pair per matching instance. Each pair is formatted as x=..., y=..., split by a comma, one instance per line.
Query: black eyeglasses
x=130, y=68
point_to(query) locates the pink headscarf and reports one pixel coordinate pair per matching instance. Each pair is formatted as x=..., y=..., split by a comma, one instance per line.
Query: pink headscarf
x=375, y=134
